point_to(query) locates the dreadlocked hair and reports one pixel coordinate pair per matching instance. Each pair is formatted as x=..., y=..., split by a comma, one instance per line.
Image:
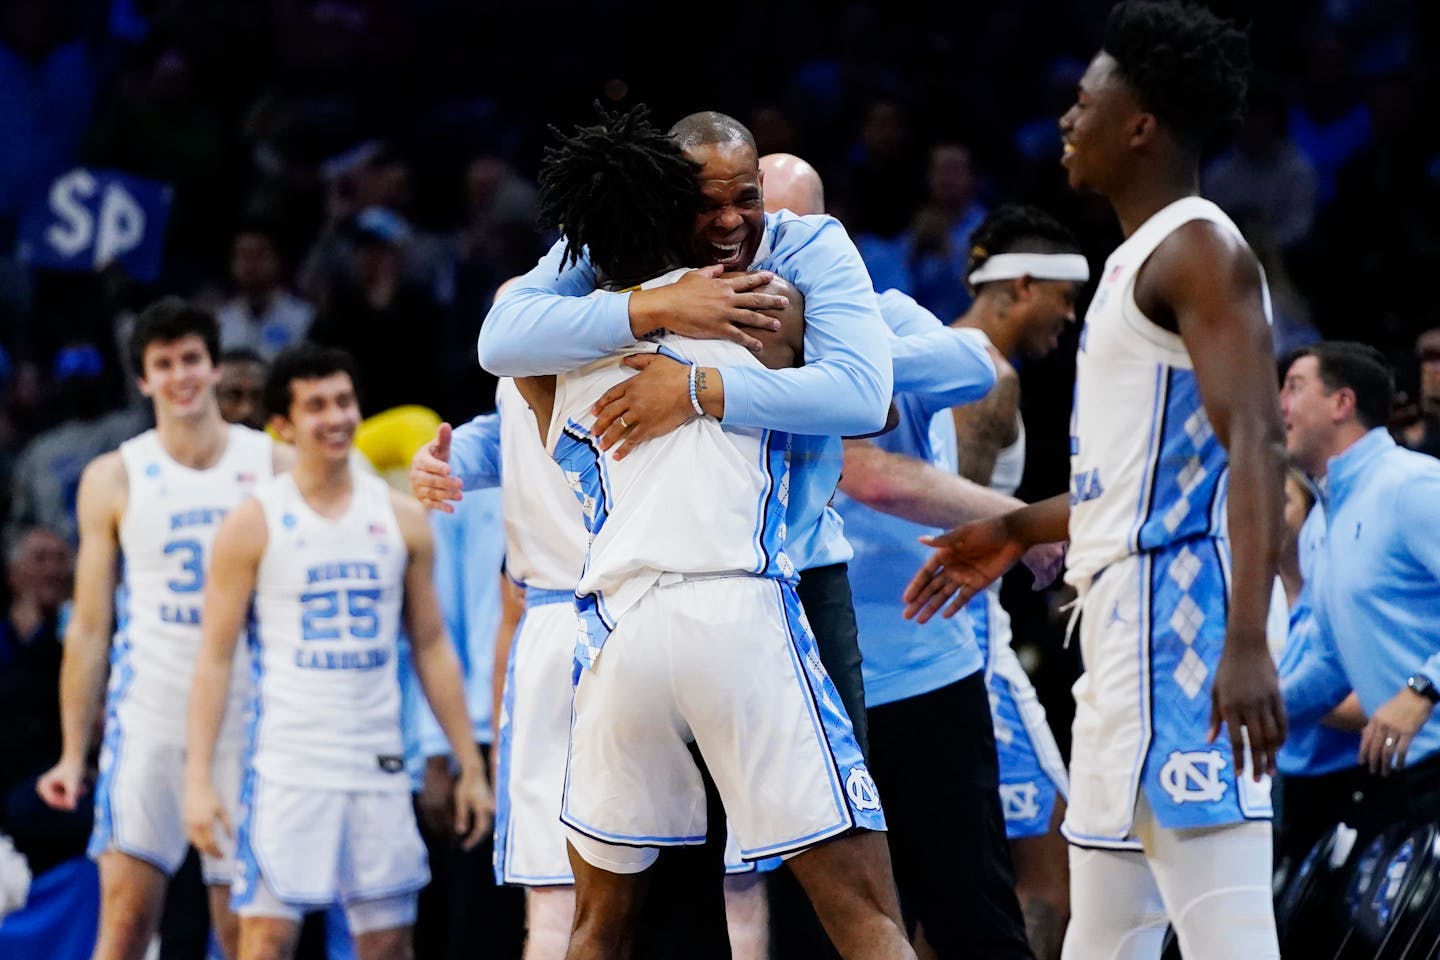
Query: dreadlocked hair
x=1015, y=228
x=621, y=188
x=1189, y=67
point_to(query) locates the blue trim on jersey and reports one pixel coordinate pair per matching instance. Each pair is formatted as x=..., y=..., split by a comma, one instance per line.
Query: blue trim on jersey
x=247, y=864
x=744, y=867
x=832, y=729
x=1088, y=842
x=503, y=735
x=619, y=840
x=579, y=455
x=540, y=597
x=504, y=825
x=1144, y=504
x=770, y=527
x=1186, y=468
x=1145, y=622
x=1188, y=781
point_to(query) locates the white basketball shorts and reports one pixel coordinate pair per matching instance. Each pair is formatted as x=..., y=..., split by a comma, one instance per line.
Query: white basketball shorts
x=730, y=664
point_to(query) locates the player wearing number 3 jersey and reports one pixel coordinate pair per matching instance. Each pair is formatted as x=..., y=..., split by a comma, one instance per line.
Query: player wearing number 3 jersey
x=152, y=507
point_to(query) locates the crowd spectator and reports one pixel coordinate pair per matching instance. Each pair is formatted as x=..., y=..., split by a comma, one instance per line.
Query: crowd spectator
x=39, y=565
x=262, y=316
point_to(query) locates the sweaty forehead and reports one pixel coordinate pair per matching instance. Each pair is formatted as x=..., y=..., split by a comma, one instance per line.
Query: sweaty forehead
x=726, y=165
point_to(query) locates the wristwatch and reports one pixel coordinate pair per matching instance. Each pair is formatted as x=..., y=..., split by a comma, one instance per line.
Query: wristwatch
x=1424, y=686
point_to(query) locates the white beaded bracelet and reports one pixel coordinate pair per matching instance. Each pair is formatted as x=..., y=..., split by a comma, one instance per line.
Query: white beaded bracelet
x=694, y=395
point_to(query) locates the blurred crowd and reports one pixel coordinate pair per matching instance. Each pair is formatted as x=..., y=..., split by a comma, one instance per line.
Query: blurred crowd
x=361, y=173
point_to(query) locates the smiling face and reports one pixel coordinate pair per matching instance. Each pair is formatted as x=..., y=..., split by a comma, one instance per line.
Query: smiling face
x=324, y=414
x=1097, y=130
x=1050, y=305
x=1312, y=413
x=179, y=376
x=731, y=220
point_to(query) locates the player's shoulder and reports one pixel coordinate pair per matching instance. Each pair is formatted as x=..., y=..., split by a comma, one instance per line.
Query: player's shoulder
x=410, y=514
x=104, y=484
x=790, y=233
x=1204, y=250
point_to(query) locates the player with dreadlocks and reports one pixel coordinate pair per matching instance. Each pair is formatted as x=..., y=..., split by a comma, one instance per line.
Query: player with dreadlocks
x=1175, y=405
x=691, y=627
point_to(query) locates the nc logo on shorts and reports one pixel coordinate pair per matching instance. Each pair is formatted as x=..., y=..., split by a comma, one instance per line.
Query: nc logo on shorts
x=1020, y=801
x=860, y=787
x=1194, y=777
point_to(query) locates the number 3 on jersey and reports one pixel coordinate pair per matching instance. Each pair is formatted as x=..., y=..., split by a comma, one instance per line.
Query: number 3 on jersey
x=321, y=616
x=192, y=566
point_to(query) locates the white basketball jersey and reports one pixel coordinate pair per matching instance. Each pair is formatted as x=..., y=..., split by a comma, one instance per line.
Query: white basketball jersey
x=171, y=515
x=703, y=499
x=545, y=535
x=327, y=618
x=1146, y=469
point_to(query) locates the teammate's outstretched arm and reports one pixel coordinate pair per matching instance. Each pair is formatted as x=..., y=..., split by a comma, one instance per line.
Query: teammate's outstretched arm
x=229, y=583
x=439, y=671
x=1211, y=283
x=456, y=460
x=973, y=555
x=83, y=666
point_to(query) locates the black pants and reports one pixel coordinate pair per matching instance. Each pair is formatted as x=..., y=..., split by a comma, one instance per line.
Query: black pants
x=463, y=906
x=939, y=779
x=1308, y=807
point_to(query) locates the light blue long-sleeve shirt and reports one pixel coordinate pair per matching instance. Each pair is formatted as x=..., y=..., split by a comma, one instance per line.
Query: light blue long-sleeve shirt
x=940, y=367
x=475, y=452
x=547, y=322
x=469, y=552
x=1310, y=748
x=1374, y=571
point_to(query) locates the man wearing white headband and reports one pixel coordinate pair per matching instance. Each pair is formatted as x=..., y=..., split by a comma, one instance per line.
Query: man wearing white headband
x=1025, y=277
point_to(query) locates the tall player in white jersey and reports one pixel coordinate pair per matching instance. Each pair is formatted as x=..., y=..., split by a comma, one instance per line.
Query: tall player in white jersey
x=691, y=629
x=1175, y=430
x=152, y=508
x=1020, y=313
x=330, y=557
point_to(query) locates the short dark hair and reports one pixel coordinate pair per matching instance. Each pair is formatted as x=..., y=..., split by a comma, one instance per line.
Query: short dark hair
x=1189, y=67
x=240, y=355
x=1016, y=228
x=303, y=361
x=709, y=127
x=1362, y=369
x=623, y=189
x=167, y=320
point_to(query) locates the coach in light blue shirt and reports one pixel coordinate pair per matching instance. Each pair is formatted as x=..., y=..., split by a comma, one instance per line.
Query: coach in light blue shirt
x=553, y=320
x=1374, y=565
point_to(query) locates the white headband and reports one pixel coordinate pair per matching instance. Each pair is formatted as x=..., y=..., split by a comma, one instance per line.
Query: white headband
x=1040, y=266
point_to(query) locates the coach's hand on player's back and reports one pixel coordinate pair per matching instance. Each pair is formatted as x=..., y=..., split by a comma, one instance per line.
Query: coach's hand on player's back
x=474, y=806
x=430, y=479
x=705, y=306
x=203, y=810
x=1246, y=698
x=650, y=404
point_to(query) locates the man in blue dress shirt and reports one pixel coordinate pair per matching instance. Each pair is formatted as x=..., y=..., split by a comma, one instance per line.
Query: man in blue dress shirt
x=1372, y=568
